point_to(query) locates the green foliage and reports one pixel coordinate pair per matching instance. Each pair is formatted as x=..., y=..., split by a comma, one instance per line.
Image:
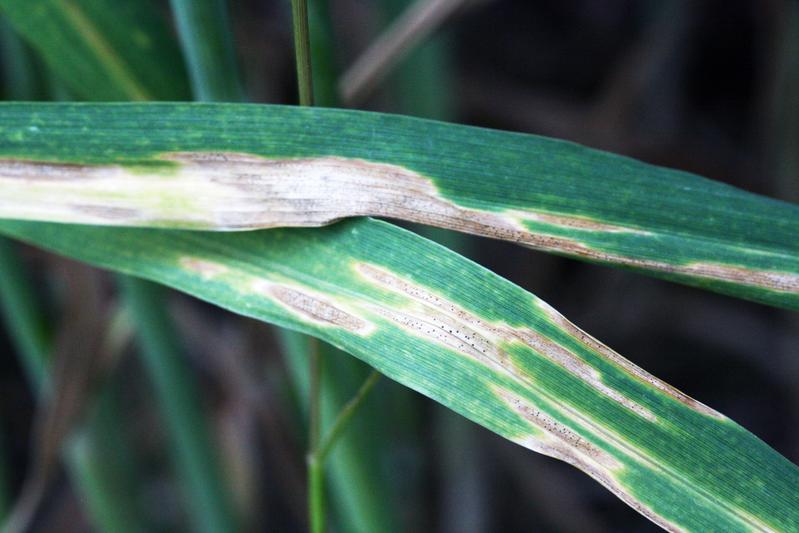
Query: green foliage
x=544, y=193
x=454, y=331
x=421, y=314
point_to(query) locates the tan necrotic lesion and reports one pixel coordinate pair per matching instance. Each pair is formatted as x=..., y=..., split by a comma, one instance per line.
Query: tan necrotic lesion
x=627, y=366
x=313, y=307
x=205, y=268
x=239, y=191
x=445, y=323
x=550, y=437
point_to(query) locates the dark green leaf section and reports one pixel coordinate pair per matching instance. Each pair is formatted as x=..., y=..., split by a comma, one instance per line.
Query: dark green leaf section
x=569, y=199
x=205, y=39
x=103, y=49
x=672, y=459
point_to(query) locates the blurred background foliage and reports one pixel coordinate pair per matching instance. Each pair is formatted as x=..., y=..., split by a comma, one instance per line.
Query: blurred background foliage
x=710, y=87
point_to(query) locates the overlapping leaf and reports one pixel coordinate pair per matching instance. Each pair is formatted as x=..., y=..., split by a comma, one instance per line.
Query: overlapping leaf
x=478, y=344
x=419, y=313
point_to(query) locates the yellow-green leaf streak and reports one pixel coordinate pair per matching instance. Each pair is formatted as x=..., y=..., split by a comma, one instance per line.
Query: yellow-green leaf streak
x=238, y=166
x=480, y=345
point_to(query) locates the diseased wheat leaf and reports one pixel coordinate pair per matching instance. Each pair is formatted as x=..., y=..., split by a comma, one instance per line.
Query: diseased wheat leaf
x=475, y=342
x=422, y=315
x=233, y=167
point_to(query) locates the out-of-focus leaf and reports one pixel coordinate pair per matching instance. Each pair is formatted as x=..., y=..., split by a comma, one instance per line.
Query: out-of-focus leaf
x=103, y=49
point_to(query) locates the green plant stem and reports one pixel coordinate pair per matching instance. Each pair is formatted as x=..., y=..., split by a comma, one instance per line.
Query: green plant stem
x=322, y=40
x=314, y=415
x=316, y=490
x=320, y=447
x=326, y=444
x=357, y=498
x=316, y=494
x=353, y=467
x=302, y=51
x=194, y=455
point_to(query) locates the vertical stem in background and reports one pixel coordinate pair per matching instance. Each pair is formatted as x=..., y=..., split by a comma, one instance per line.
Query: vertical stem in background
x=353, y=472
x=315, y=457
x=316, y=489
x=302, y=51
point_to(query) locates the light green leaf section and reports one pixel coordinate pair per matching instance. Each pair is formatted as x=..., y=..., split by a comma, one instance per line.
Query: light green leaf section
x=480, y=345
x=239, y=166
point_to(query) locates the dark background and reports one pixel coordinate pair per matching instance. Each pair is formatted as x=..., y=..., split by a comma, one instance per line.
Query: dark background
x=705, y=86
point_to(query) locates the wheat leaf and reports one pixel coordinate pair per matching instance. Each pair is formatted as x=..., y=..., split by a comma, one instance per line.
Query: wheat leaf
x=238, y=166
x=480, y=345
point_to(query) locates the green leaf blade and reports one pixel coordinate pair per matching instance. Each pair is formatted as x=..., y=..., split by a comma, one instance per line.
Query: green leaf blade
x=476, y=343
x=209, y=167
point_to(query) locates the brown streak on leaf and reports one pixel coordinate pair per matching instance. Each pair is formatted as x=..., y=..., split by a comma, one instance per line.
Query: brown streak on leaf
x=560, y=436
x=770, y=280
x=566, y=359
x=314, y=308
x=575, y=222
x=631, y=369
x=240, y=191
x=205, y=268
x=442, y=321
x=563, y=444
x=108, y=212
x=337, y=187
x=559, y=442
x=30, y=170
